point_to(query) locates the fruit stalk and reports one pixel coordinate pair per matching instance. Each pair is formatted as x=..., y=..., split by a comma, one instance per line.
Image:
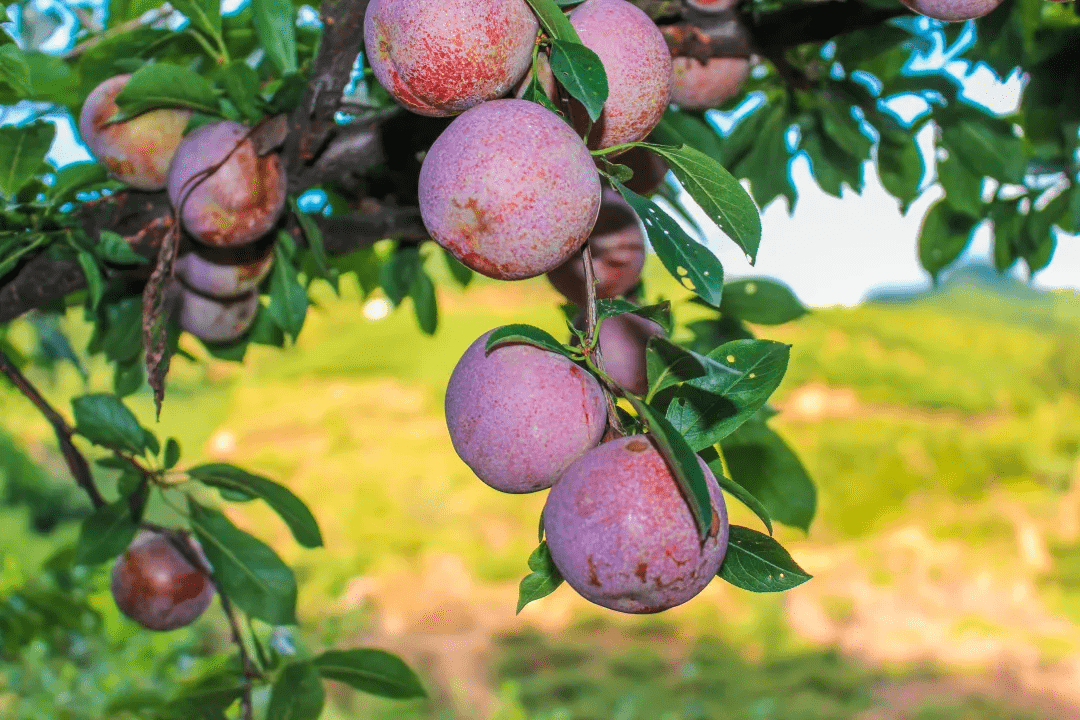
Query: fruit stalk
x=592, y=349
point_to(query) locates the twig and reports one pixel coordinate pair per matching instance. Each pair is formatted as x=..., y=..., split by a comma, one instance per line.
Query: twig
x=591, y=330
x=144, y=20
x=75, y=461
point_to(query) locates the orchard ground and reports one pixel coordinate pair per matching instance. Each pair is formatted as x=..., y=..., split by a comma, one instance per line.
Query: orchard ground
x=945, y=553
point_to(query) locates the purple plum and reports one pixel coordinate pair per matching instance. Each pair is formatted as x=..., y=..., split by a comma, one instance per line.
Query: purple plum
x=622, y=534
x=238, y=202
x=519, y=415
x=697, y=86
x=509, y=190
x=216, y=321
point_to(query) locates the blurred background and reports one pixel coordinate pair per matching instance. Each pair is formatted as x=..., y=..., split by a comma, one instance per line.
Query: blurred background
x=941, y=426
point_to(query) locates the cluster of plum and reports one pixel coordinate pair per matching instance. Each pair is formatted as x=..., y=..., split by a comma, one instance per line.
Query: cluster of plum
x=227, y=195
x=512, y=190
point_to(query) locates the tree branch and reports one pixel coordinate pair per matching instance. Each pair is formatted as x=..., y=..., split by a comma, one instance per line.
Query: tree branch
x=80, y=470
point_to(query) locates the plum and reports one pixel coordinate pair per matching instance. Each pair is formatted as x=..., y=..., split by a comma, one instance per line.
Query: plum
x=509, y=190
x=623, y=340
x=214, y=320
x=622, y=534
x=618, y=251
x=222, y=280
x=237, y=203
x=953, y=10
x=442, y=57
x=638, y=66
x=154, y=585
x=136, y=151
x=519, y=415
x=697, y=86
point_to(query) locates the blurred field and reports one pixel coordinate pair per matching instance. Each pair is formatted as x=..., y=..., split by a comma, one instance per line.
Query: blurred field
x=943, y=433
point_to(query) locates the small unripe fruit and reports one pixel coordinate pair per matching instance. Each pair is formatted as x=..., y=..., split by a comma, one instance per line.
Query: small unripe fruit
x=237, y=203
x=519, y=415
x=217, y=321
x=136, y=151
x=618, y=252
x=622, y=534
x=154, y=585
x=442, y=57
x=953, y=10
x=509, y=190
x=623, y=340
x=697, y=86
x=222, y=280
x=638, y=66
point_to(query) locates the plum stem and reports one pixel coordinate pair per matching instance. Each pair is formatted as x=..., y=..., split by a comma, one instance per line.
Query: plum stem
x=593, y=354
x=80, y=469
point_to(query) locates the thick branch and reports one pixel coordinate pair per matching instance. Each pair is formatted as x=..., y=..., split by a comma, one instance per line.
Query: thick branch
x=45, y=280
x=725, y=34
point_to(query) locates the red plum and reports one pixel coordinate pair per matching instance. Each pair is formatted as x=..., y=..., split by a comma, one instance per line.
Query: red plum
x=442, y=57
x=697, y=86
x=135, y=151
x=154, y=585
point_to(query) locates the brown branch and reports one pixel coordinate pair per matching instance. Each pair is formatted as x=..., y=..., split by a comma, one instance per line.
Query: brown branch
x=80, y=470
x=44, y=280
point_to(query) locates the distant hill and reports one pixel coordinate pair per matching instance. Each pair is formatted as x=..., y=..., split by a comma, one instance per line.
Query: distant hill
x=978, y=289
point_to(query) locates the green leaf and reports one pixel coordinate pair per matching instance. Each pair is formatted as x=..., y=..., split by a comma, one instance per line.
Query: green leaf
x=396, y=274
x=104, y=420
x=737, y=491
x=718, y=193
x=668, y=364
x=105, y=533
x=123, y=10
x=963, y=188
x=288, y=298
x=72, y=178
x=767, y=158
x=986, y=147
x=115, y=249
x=553, y=21
x=292, y=509
x=248, y=570
x=760, y=461
x=22, y=154
x=526, y=334
x=581, y=72
x=425, y=306
x=757, y=563
x=297, y=693
x=680, y=128
x=95, y=283
x=161, y=85
x=900, y=167
x=688, y=261
x=742, y=377
x=203, y=14
x=683, y=463
x=172, y=453
x=943, y=236
x=544, y=579
x=275, y=26
x=14, y=69
x=314, y=238
x=376, y=672
x=461, y=273
x=761, y=301
x=659, y=313
x=128, y=378
x=241, y=85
